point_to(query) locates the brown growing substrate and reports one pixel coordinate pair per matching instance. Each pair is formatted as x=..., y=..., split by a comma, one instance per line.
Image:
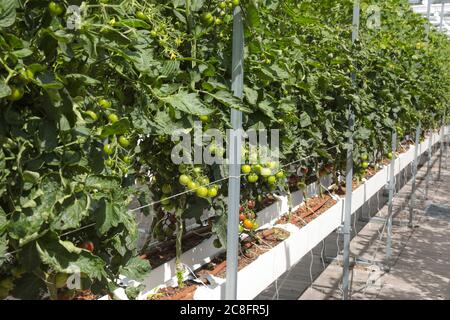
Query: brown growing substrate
x=312, y=208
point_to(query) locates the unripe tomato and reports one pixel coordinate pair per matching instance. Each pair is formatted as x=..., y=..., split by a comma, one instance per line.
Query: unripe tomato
x=280, y=175
x=92, y=115
x=165, y=201
x=204, y=181
x=272, y=179
x=192, y=185
x=235, y=3
x=252, y=178
x=16, y=93
x=208, y=18
x=55, y=8
x=365, y=165
x=127, y=159
x=184, y=179
x=246, y=169
x=390, y=155
x=364, y=157
x=204, y=118
x=113, y=118
x=141, y=16
x=108, y=149
x=212, y=192
x=109, y=163
x=202, y=192
x=124, y=142
x=106, y=104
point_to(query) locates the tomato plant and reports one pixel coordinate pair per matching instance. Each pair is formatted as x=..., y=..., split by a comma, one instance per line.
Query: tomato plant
x=87, y=111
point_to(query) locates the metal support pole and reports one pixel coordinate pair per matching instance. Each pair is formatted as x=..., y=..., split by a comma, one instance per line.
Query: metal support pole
x=428, y=19
x=412, y=202
x=391, y=198
x=430, y=156
x=349, y=176
x=235, y=158
x=441, y=151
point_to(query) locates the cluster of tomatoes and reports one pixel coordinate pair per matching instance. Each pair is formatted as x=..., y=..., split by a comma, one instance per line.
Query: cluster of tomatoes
x=117, y=143
x=193, y=179
x=247, y=217
x=269, y=173
x=224, y=7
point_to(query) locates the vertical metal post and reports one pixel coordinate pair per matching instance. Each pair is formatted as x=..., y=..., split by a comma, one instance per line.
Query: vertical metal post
x=235, y=158
x=391, y=197
x=430, y=156
x=413, y=191
x=349, y=175
x=428, y=18
x=442, y=16
x=441, y=151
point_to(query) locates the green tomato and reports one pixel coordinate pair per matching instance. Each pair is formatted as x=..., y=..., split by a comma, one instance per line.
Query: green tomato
x=204, y=181
x=141, y=16
x=204, y=118
x=202, y=192
x=165, y=201
x=198, y=170
x=235, y=3
x=106, y=104
x=246, y=169
x=364, y=157
x=109, y=163
x=272, y=180
x=223, y=5
x=390, y=155
x=113, y=118
x=252, y=178
x=92, y=115
x=257, y=168
x=108, y=149
x=192, y=185
x=127, y=159
x=218, y=21
x=16, y=93
x=208, y=18
x=124, y=142
x=184, y=179
x=365, y=165
x=212, y=192
x=55, y=8
x=280, y=175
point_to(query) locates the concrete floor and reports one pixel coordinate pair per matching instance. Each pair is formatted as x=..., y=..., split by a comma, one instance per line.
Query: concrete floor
x=420, y=262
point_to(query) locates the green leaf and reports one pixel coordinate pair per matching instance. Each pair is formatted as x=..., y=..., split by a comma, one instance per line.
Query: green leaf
x=120, y=127
x=228, y=100
x=136, y=269
x=108, y=215
x=54, y=253
x=251, y=95
x=72, y=215
x=188, y=103
x=7, y=13
x=305, y=120
x=4, y=89
x=22, y=53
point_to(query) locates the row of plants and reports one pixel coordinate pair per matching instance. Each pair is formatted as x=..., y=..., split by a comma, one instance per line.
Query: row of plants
x=90, y=93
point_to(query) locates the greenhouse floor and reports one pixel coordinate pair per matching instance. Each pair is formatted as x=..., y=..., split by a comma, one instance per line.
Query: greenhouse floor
x=420, y=262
